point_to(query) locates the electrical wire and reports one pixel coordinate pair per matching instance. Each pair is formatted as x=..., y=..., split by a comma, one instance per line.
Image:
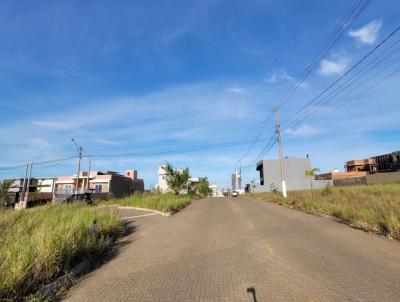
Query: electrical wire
x=309, y=103
x=357, y=77
x=355, y=11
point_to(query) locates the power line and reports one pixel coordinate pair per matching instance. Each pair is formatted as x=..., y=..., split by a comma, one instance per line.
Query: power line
x=359, y=94
x=355, y=11
x=377, y=62
x=344, y=75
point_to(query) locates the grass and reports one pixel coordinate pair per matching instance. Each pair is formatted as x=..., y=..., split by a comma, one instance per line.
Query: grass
x=167, y=202
x=374, y=208
x=37, y=245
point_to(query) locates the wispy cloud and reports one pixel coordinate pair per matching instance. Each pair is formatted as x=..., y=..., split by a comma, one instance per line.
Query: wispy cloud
x=304, y=130
x=337, y=65
x=279, y=75
x=368, y=33
x=236, y=89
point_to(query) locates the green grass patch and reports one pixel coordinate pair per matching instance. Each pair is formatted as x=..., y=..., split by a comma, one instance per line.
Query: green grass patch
x=37, y=245
x=374, y=208
x=167, y=202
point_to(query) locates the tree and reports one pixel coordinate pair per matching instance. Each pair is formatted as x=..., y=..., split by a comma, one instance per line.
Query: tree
x=310, y=173
x=177, y=180
x=5, y=186
x=203, y=187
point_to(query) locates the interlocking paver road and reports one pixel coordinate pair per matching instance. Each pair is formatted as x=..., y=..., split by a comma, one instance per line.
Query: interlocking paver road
x=223, y=249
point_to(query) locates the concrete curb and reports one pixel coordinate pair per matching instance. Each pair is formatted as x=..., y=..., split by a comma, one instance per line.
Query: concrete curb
x=140, y=209
x=352, y=224
x=49, y=292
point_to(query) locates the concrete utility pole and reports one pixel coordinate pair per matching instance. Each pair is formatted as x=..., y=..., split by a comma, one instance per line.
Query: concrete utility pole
x=278, y=133
x=25, y=203
x=21, y=196
x=88, y=180
x=79, y=149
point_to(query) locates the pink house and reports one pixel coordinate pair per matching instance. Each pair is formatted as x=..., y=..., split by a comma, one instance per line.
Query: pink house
x=100, y=182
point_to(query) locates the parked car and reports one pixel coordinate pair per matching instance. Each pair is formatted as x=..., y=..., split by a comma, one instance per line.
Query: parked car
x=85, y=197
x=235, y=194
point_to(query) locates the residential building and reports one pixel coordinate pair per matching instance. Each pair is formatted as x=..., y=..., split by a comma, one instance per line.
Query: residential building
x=295, y=168
x=99, y=183
x=45, y=185
x=389, y=162
x=335, y=175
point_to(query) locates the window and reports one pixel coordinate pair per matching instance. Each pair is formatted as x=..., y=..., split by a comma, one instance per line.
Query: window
x=98, y=188
x=68, y=188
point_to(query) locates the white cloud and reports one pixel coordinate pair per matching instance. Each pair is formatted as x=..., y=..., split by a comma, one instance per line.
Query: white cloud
x=279, y=75
x=335, y=66
x=368, y=33
x=304, y=130
x=235, y=90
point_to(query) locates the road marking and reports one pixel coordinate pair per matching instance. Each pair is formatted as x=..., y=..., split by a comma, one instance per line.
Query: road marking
x=269, y=249
x=251, y=225
x=131, y=217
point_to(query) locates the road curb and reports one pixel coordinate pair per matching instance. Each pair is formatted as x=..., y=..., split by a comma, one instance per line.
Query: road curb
x=49, y=292
x=139, y=208
x=353, y=224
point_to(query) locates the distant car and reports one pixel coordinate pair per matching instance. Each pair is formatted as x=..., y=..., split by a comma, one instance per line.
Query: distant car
x=85, y=197
x=235, y=194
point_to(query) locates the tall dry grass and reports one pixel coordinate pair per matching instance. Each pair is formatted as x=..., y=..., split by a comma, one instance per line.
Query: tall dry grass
x=374, y=208
x=39, y=244
x=167, y=202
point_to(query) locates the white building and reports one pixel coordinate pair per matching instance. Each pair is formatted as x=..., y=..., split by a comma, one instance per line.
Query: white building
x=45, y=185
x=236, y=181
x=162, y=180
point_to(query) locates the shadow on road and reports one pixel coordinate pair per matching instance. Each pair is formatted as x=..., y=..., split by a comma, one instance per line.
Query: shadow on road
x=252, y=291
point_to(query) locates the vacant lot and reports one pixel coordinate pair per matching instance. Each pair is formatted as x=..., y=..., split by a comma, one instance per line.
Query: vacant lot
x=374, y=208
x=163, y=202
x=39, y=244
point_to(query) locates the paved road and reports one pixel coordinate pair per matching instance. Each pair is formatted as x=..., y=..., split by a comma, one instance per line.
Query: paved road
x=224, y=249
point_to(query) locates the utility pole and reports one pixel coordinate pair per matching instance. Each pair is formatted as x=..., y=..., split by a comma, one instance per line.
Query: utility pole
x=88, y=180
x=278, y=133
x=79, y=149
x=21, y=196
x=25, y=203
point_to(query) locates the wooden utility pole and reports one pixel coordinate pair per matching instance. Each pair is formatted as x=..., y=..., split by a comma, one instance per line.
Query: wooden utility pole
x=278, y=134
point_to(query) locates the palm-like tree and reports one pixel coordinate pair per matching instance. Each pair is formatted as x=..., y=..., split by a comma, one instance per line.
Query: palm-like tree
x=311, y=173
x=177, y=180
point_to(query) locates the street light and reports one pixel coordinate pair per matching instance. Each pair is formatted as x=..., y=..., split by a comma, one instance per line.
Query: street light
x=79, y=149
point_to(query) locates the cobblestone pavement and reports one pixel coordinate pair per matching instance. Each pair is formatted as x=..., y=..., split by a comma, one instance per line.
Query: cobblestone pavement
x=242, y=249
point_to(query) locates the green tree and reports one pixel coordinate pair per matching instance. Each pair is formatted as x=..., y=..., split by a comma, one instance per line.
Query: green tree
x=5, y=186
x=310, y=173
x=203, y=187
x=177, y=180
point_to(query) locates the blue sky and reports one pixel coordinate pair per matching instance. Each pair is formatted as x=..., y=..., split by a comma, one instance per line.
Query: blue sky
x=144, y=76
